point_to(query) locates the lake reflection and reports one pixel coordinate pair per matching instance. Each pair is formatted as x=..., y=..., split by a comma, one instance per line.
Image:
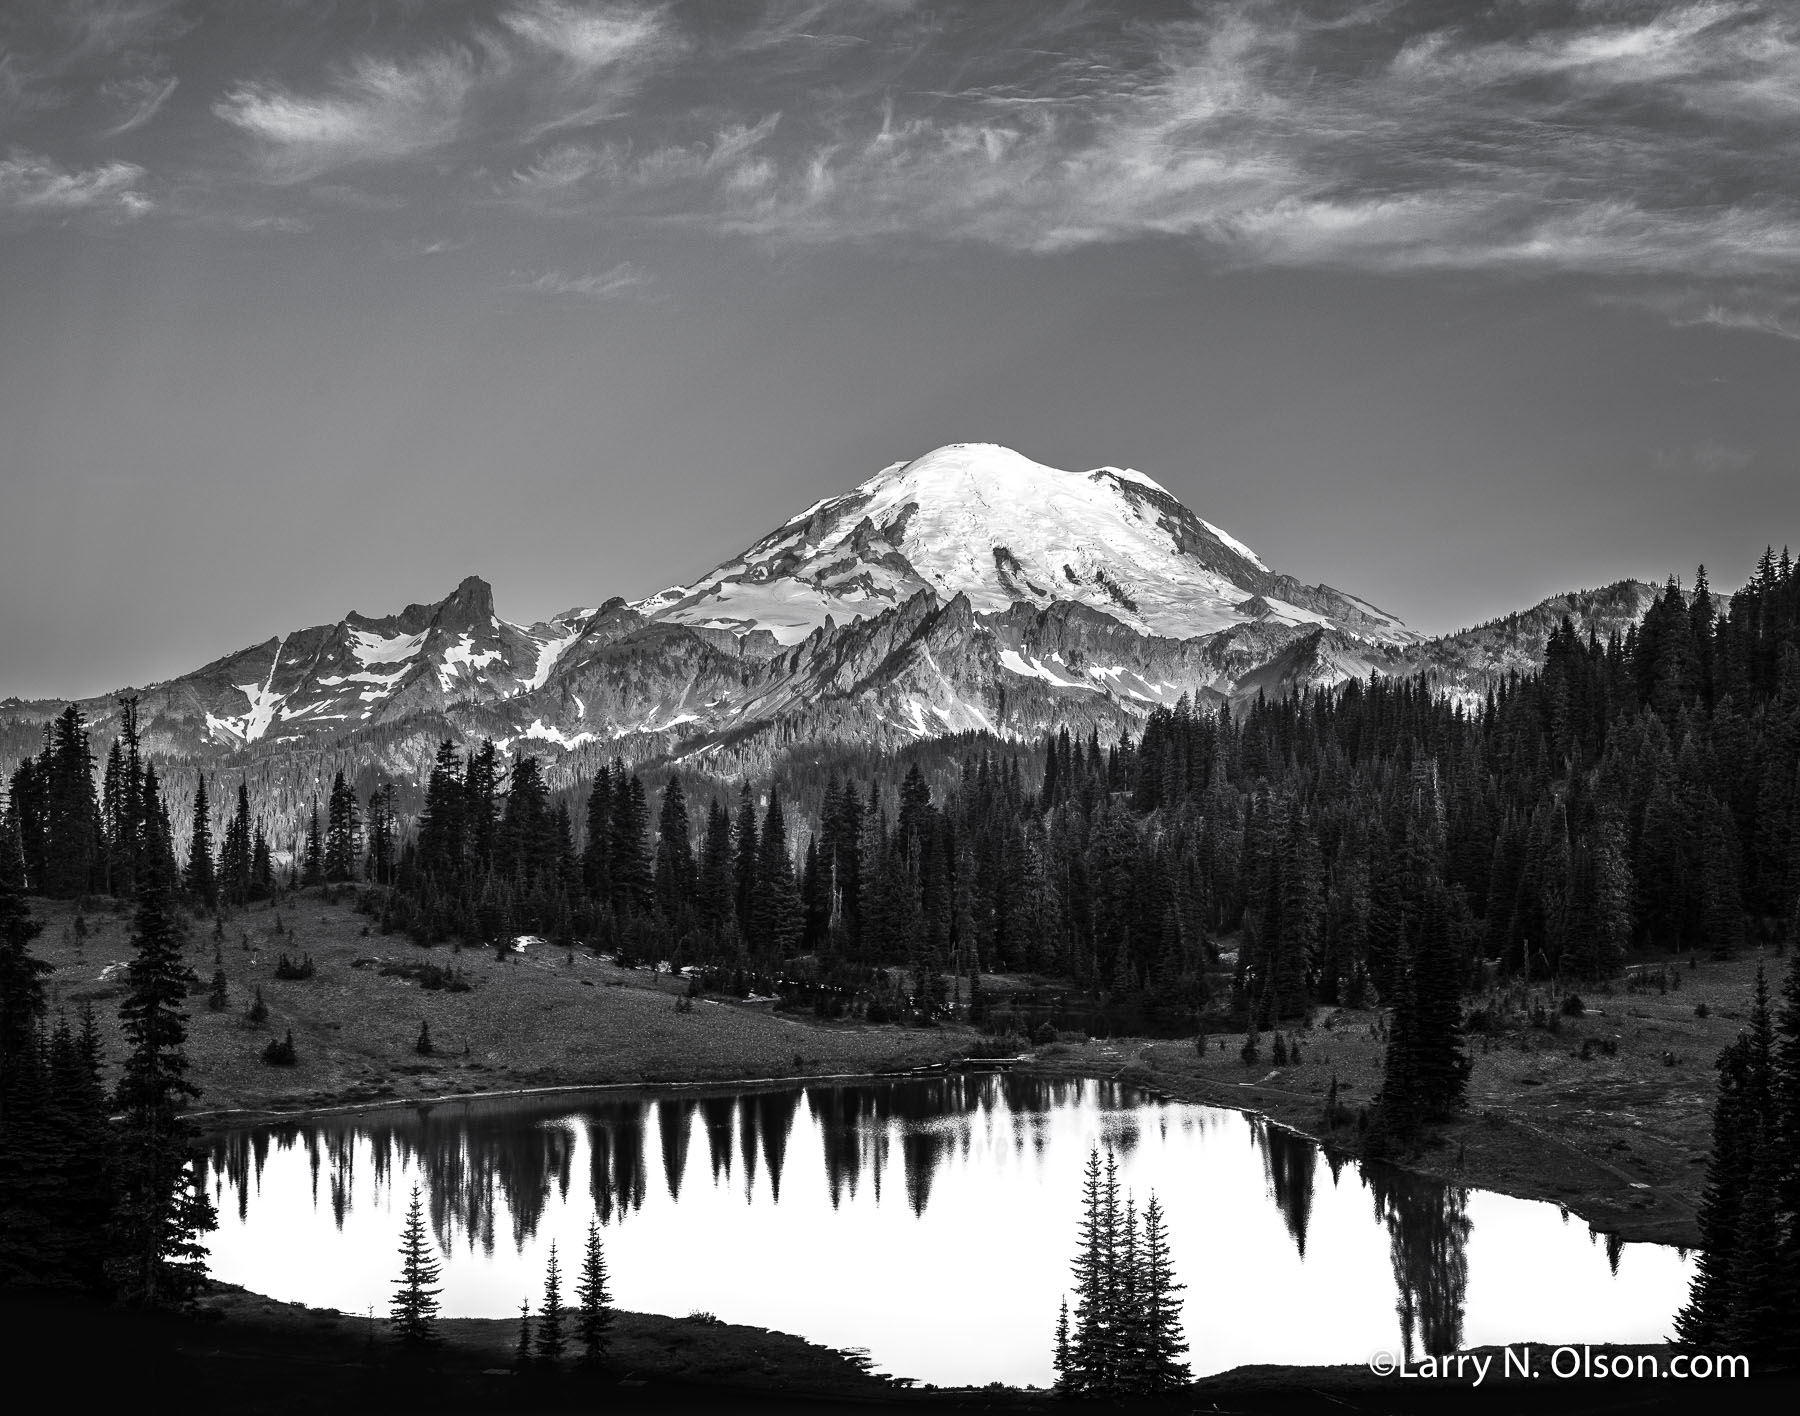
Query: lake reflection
x=929, y=1221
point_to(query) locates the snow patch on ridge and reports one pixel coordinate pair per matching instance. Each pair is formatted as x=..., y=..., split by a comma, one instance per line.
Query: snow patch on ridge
x=556, y=735
x=549, y=651
x=1233, y=543
x=371, y=648
x=465, y=656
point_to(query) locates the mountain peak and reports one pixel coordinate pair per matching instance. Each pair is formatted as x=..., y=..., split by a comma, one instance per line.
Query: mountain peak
x=984, y=521
x=473, y=596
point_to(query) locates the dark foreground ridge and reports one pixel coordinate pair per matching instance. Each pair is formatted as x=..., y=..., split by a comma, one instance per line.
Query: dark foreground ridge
x=248, y=1354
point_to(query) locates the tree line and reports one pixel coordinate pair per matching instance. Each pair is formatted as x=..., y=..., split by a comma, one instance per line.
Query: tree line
x=98, y=1186
x=1747, y=1277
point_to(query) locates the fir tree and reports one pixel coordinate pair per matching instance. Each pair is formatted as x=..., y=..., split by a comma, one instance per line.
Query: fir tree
x=593, y=1323
x=343, y=824
x=312, y=870
x=200, y=882
x=22, y=996
x=775, y=920
x=1059, y=1361
x=235, y=852
x=715, y=892
x=674, y=872
x=1163, y=1341
x=71, y=812
x=161, y=1212
x=414, y=1310
x=441, y=821
x=27, y=1143
x=1089, y=1365
x=550, y=1320
x=262, y=866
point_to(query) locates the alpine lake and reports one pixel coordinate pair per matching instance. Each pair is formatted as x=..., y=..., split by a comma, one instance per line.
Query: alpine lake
x=928, y=1221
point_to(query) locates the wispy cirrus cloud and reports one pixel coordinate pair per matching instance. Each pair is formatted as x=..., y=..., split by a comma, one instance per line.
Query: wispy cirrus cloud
x=35, y=186
x=374, y=110
x=598, y=53
x=140, y=98
x=592, y=38
x=1617, y=139
x=618, y=281
x=1657, y=140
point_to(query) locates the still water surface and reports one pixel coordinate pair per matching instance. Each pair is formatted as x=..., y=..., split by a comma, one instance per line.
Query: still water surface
x=928, y=1221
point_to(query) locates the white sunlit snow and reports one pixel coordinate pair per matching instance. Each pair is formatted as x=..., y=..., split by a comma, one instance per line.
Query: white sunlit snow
x=371, y=648
x=986, y=522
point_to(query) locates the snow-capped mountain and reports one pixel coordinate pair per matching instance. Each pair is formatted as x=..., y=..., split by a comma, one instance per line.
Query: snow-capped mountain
x=984, y=522
x=360, y=672
x=969, y=590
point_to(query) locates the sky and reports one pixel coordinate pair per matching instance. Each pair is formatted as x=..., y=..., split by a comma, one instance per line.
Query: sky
x=310, y=307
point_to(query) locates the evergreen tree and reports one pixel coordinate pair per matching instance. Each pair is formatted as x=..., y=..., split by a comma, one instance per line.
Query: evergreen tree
x=1163, y=1341
x=201, y=883
x=235, y=853
x=161, y=1211
x=550, y=1320
x=629, y=861
x=22, y=996
x=674, y=873
x=481, y=805
x=262, y=866
x=380, y=835
x=1089, y=1365
x=745, y=859
x=27, y=1145
x=71, y=819
x=343, y=826
x=312, y=871
x=414, y=1310
x=593, y=1324
x=441, y=820
x=1059, y=1361
x=715, y=890
x=596, y=855
x=775, y=919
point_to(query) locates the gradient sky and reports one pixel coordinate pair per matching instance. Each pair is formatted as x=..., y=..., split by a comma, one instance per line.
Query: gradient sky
x=309, y=307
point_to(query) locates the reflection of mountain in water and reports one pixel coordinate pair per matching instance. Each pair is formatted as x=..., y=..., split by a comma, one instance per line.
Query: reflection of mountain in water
x=494, y=1164
x=1428, y=1228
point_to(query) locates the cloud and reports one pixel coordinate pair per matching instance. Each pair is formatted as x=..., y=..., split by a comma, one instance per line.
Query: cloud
x=140, y=97
x=1752, y=321
x=419, y=247
x=1648, y=140
x=375, y=110
x=1710, y=458
x=620, y=280
x=1739, y=307
x=102, y=27
x=33, y=186
x=590, y=38
x=600, y=53
x=1630, y=137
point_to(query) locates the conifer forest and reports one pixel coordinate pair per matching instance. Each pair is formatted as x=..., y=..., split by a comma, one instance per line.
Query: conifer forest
x=1381, y=846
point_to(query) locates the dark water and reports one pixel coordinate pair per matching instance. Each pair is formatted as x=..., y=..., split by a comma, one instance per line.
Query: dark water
x=930, y=1222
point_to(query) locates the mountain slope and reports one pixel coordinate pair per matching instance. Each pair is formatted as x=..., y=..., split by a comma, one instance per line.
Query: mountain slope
x=984, y=522
x=970, y=590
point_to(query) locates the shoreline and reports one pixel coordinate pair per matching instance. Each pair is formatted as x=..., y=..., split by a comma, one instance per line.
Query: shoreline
x=1192, y=1091
x=1605, y=1112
